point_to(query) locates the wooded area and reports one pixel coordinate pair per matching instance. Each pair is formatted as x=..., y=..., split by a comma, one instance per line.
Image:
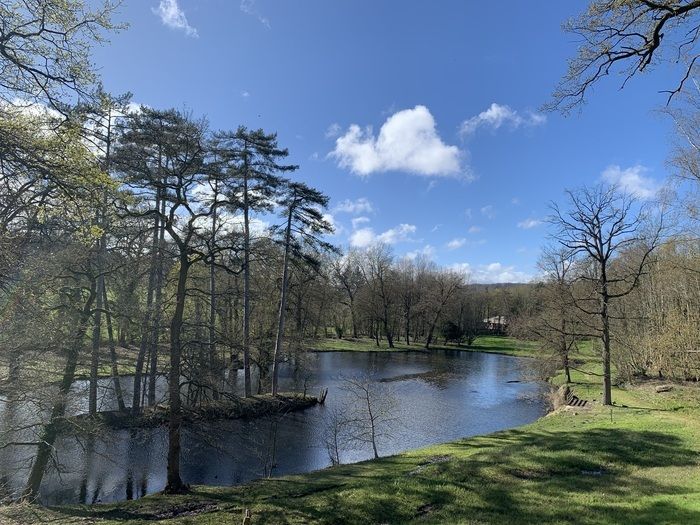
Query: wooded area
x=140, y=241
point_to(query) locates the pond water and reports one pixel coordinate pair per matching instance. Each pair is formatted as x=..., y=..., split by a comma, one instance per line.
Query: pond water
x=436, y=397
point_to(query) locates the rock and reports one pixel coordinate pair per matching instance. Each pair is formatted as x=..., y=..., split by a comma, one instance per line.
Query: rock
x=664, y=388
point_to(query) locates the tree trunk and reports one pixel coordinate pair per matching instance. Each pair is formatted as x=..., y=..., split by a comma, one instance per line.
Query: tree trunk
x=157, y=312
x=174, y=481
x=145, y=326
x=113, y=353
x=213, y=374
x=283, y=304
x=96, y=336
x=246, y=285
x=50, y=431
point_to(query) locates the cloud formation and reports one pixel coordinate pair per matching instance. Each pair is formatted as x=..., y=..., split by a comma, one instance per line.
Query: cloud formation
x=492, y=273
x=499, y=115
x=456, y=243
x=631, y=180
x=174, y=17
x=529, y=223
x=365, y=237
x=361, y=205
x=408, y=141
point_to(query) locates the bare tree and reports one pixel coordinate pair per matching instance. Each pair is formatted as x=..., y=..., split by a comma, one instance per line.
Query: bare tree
x=600, y=224
x=629, y=37
x=372, y=412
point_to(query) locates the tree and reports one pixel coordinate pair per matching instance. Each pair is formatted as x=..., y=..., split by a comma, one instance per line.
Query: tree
x=371, y=410
x=444, y=284
x=45, y=48
x=347, y=275
x=629, y=36
x=600, y=224
x=305, y=224
x=553, y=322
x=251, y=164
x=378, y=274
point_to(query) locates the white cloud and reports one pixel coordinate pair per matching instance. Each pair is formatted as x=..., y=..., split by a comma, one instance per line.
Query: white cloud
x=427, y=251
x=359, y=221
x=365, y=237
x=249, y=8
x=498, y=115
x=400, y=233
x=456, y=243
x=631, y=180
x=492, y=273
x=245, y=94
x=488, y=211
x=174, y=17
x=529, y=223
x=361, y=205
x=407, y=141
x=474, y=229
x=362, y=238
x=333, y=130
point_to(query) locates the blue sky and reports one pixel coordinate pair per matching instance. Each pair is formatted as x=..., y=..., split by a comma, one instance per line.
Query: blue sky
x=419, y=119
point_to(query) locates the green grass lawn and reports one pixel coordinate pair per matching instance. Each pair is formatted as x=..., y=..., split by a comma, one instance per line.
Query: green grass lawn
x=636, y=464
x=487, y=343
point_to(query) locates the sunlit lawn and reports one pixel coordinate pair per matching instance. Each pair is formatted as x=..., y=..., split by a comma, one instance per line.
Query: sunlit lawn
x=487, y=343
x=637, y=463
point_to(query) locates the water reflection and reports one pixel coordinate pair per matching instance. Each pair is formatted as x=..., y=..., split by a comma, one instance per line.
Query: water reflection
x=440, y=396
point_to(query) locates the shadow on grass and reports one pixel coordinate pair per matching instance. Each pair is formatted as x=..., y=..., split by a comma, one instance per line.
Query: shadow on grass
x=592, y=476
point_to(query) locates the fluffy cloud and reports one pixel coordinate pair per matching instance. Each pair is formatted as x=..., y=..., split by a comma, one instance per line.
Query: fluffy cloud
x=529, y=223
x=497, y=116
x=631, y=180
x=456, y=243
x=365, y=237
x=174, y=17
x=361, y=205
x=407, y=141
x=492, y=273
x=474, y=229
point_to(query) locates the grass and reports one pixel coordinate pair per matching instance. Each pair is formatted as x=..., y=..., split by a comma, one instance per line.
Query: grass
x=486, y=343
x=637, y=464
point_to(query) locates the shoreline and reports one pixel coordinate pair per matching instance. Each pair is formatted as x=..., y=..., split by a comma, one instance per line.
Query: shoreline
x=602, y=464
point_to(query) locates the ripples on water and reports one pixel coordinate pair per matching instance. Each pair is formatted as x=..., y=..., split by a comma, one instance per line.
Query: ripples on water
x=438, y=396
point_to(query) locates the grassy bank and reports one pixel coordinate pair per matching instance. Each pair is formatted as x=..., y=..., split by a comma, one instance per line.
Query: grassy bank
x=637, y=464
x=487, y=343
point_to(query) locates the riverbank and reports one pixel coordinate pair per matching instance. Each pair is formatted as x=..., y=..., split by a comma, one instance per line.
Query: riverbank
x=638, y=462
x=486, y=343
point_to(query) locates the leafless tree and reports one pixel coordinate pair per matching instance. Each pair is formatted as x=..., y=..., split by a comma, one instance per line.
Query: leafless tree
x=599, y=224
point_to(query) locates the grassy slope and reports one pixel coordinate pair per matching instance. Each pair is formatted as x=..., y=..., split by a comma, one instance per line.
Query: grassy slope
x=639, y=465
x=495, y=344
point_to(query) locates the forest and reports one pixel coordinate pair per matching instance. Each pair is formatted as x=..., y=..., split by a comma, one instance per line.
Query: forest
x=140, y=242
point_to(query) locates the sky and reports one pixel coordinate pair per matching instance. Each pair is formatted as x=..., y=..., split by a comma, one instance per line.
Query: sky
x=420, y=120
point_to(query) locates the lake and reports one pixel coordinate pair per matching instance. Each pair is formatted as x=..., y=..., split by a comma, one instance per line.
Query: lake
x=436, y=397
